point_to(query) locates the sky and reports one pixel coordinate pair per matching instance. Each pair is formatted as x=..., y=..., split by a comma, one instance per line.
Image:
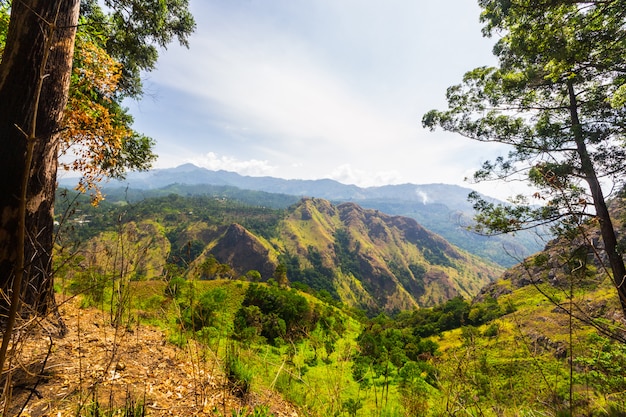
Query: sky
x=318, y=89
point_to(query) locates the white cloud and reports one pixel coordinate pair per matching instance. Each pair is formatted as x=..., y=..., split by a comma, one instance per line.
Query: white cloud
x=253, y=167
x=275, y=89
x=348, y=175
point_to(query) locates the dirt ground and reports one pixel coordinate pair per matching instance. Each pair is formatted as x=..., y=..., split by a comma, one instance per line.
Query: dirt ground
x=98, y=366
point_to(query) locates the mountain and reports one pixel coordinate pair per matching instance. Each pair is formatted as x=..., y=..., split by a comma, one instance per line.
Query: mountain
x=454, y=197
x=361, y=257
x=441, y=208
x=190, y=174
x=377, y=261
x=240, y=249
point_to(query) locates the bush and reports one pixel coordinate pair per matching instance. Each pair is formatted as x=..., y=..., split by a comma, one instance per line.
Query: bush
x=175, y=286
x=91, y=284
x=274, y=313
x=204, y=312
x=492, y=330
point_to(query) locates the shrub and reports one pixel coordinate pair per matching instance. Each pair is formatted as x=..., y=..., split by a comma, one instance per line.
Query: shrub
x=204, y=312
x=279, y=313
x=492, y=330
x=175, y=286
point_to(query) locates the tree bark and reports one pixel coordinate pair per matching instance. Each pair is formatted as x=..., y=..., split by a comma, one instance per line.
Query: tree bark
x=34, y=81
x=607, y=230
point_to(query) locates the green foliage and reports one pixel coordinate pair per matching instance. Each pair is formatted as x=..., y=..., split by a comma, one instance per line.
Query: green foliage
x=318, y=277
x=453, y=314
x=253, y=275
x=136, y=29
x=388, y=352
x=604, y=366
x=131, y=407
x=5, y=8
x=175, y=286
x=204, y=312
x=352, y=406
x=492, y=330
x=385, y=342
x=210, y=268
x=549, y=100
x=92, y=285
x=414, y=390
x=239, y=375
x=283, y=313
x=418, y=271
x=486, y=311
x=280, y=275
x=248, y=323
x=348, y=259
x=94, y=117
x=256, y=411
x=261, y=411
x=436, y=256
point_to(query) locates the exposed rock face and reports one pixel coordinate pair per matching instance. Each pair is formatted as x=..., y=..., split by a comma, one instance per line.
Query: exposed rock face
x=243, y=251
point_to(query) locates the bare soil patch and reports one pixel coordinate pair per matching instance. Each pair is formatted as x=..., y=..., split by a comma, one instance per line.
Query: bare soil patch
x=95, y=363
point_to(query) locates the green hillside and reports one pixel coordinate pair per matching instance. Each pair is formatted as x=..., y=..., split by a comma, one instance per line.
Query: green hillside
x=441, y=208
x=546, y=338
x=365, y=253
x=361, y=258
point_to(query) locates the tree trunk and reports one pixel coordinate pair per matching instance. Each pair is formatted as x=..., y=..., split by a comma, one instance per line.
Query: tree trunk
x=607, y=230
x=34, y=81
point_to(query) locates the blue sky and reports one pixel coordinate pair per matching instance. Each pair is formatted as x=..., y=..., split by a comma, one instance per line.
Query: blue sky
x=318, y=89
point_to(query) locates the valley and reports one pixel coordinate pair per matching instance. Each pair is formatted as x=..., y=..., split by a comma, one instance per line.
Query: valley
x=336, y=310
x=364, y=258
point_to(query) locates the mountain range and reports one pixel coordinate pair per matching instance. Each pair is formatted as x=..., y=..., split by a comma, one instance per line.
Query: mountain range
x=360, y=257
x=441, y=208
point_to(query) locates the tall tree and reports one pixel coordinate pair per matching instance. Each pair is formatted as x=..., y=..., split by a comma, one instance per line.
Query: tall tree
x=35, y=76
x=556, y=98
x=34, y=80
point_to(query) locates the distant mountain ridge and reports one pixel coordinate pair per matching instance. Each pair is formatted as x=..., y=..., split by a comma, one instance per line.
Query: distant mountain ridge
x=441, y=208
x=453, y=196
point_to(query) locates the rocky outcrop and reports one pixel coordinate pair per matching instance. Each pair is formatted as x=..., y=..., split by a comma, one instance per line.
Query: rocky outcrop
x=244, y=252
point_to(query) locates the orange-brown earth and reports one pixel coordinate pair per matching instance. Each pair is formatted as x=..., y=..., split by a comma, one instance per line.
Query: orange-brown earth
x=96, y=363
